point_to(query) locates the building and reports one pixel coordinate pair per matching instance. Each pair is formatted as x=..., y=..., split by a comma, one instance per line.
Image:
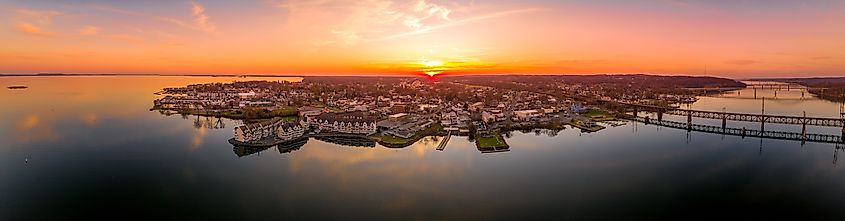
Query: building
x=398, y=117
x=256, y=131
x=306, y=111
x=347, y=122
x=290, y=131
x=577, y=108
x=410, y=129
x=525, y=115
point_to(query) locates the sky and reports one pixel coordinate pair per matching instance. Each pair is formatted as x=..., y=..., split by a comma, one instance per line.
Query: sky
x=737, y=39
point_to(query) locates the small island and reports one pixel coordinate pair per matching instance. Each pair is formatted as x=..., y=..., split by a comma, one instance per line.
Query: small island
x=17, y=87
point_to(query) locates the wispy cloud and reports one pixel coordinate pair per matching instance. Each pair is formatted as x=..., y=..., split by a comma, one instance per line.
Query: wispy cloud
x=132, y=39
x=42, y=17
x=28, y=28
x=201, y=20
x=352, y=21
x=89, y=30
x=456, y=23
x=741, y=62
x=116, y=10
x=32, y=22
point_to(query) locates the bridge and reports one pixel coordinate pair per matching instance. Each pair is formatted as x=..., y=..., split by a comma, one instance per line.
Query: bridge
x=761, y=118
x=725, y=116
x=776, y=86
x=743, y=132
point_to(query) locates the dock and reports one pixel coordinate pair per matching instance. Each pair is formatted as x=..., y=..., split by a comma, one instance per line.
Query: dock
x=442, y=145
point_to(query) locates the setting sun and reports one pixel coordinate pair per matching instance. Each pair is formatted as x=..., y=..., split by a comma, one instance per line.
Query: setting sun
x=432, y=63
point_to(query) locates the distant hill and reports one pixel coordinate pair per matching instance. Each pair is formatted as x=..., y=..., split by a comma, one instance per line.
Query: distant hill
x=655, y=81
x=810, y=82
x=830, y=88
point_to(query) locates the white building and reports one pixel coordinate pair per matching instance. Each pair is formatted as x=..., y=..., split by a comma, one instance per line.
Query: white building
x=256, y=131
x=349, y=122
x=525, y=115
x=289, y=131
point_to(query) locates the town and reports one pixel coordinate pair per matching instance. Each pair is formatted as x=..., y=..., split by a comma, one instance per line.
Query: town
x=398, y=111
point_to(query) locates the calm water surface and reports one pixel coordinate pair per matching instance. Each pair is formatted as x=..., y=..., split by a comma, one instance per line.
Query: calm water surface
x=95, y=150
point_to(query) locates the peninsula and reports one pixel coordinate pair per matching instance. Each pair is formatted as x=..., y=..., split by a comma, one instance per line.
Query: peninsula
x=398, y=111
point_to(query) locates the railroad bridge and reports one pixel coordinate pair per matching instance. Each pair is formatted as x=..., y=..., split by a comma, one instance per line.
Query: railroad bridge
x=823, y=138
x=804, y=121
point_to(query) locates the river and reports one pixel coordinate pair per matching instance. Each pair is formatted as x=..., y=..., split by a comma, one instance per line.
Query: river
x=88, y=147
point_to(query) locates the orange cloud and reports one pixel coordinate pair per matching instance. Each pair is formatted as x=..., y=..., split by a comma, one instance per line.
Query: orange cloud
x=201, y=21
x=127, y=38
x=42, y=17
x=742, y=62
x=29, y=28
x=89, y=30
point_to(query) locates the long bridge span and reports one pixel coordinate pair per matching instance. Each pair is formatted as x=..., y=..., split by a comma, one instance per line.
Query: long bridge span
x=725, y=116
x=743, y=132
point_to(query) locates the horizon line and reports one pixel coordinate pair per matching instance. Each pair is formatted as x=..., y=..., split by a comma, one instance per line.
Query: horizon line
x=48, y=74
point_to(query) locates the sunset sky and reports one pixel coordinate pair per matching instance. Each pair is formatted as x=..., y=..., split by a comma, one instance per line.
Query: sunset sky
x=742, y=38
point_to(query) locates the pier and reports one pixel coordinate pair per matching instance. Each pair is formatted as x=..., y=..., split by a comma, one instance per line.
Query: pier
x=442, y=145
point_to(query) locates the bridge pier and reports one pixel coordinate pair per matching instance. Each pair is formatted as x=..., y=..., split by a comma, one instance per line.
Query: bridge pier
x=804, y=127
x=689, y=120
x=724, y=122
x=804, y=131
x=660, y=115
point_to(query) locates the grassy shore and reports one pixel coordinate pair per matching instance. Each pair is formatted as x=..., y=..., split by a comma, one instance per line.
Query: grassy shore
x=246, y=114
x=581, y=126
x=394, y=141
x=493, y=142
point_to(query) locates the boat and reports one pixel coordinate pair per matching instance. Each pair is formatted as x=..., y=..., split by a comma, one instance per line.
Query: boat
x=14, y=87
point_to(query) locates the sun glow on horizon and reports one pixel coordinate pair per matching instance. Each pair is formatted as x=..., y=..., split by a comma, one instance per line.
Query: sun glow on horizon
x=432, y=67
x=432, y=63
x=429, y=37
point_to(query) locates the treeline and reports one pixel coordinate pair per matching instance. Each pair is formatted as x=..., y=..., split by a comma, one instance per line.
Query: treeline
x=828, y=88
x=654, y=81
x=263, y=113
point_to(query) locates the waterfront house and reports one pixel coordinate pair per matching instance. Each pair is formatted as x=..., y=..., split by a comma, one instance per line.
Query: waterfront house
x=290, y=131
x=347, y=122
x=256, y=131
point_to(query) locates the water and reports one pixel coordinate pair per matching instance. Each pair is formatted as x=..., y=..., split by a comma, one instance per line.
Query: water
x=95, y=150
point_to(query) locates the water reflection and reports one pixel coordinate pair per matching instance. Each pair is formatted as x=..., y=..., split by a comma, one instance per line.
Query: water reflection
x=170, y=169
x=209, y=122
x=285, y=148
x=350, y=141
